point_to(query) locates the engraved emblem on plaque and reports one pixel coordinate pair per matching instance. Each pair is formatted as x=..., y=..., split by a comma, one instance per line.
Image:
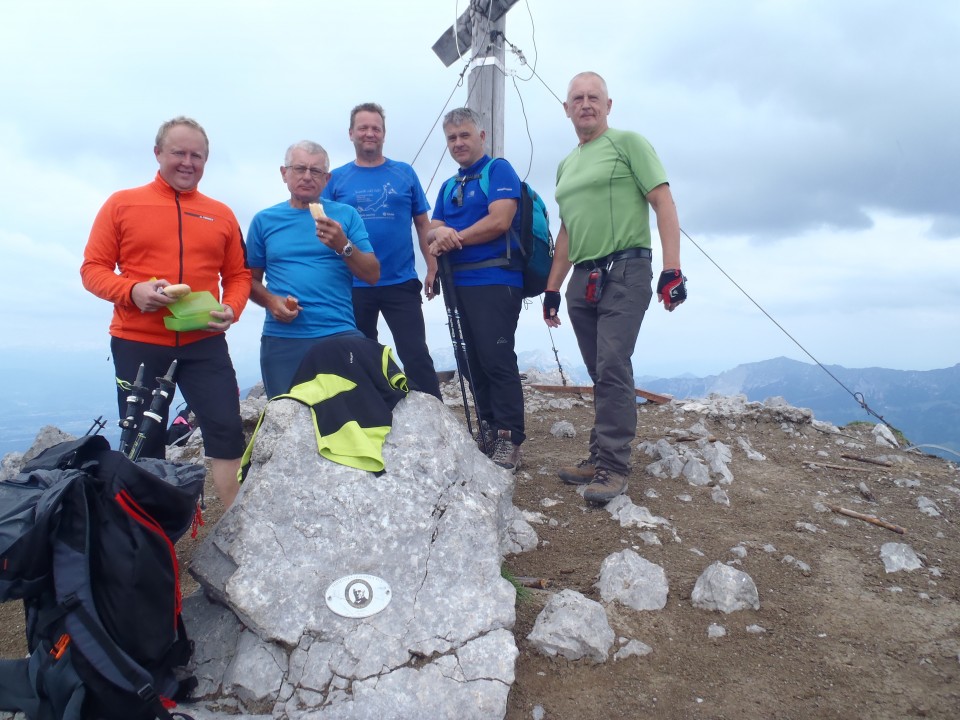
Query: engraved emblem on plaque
x=358, y=596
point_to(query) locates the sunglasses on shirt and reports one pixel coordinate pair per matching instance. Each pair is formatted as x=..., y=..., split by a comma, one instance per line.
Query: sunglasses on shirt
x=458, y=190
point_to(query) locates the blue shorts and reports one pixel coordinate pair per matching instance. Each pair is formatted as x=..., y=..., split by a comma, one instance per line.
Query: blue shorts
x=207, y=381
x=281, y=356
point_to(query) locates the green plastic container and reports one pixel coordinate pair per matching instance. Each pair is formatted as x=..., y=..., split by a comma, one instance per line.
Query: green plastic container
x=191, y=312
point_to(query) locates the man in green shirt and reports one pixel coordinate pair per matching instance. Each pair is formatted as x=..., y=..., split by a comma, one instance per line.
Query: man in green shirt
x=605, y=189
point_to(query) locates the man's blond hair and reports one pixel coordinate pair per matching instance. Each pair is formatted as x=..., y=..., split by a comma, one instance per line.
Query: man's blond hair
x=181, y=120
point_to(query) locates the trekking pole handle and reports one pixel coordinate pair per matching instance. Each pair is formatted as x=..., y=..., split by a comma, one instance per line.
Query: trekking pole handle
x=162, y=395
x=130, y=421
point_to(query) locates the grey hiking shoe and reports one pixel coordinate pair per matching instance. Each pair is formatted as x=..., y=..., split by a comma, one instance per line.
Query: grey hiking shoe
x=505, y=453
x=580, y=474
x=486, y=438
x=605, y=487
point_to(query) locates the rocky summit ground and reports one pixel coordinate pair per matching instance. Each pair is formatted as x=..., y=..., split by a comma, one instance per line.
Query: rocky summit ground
x=836, y=635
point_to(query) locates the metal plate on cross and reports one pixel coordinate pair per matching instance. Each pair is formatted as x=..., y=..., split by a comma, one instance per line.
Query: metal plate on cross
x=358, y=596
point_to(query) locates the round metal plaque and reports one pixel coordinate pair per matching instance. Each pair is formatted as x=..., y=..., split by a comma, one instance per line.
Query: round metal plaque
x=358, y=596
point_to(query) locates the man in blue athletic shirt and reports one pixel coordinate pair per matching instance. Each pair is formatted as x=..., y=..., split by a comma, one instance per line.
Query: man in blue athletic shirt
x=388, y=196
x=303, y=267
x=474, y=224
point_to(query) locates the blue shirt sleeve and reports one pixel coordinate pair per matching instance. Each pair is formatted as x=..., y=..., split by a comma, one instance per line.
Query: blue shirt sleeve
x=438, y=206
x=256, y=257
x=355, y=230
x=329, y=191
x=504, y=182
x=418, y=199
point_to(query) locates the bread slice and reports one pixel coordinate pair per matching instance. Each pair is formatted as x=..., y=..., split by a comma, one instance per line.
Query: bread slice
x=176, y=291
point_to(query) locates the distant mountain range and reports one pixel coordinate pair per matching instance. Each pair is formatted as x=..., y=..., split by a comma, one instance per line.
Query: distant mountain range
x=923, y=405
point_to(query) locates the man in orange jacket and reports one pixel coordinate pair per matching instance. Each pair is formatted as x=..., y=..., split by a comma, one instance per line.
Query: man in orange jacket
x=146, y=238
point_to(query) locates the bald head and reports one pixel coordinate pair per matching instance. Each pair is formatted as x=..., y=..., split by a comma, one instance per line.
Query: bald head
x=588, y=74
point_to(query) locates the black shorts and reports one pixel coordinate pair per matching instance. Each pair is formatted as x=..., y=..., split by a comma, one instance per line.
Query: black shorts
x=206, y=379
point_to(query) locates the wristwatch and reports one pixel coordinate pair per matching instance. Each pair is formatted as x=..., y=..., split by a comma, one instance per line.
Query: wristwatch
x=347, y=250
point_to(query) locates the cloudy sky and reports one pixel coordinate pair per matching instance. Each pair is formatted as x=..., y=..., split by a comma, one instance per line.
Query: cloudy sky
x=812, y=148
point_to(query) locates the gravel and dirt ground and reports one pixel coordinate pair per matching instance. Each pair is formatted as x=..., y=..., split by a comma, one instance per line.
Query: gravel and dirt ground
x=841, y=638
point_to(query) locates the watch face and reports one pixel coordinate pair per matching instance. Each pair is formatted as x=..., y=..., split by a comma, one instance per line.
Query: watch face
x=348, y=249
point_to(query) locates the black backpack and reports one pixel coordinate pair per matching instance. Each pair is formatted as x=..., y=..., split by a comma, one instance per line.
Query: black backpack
x=87, y=542
x=180, y=428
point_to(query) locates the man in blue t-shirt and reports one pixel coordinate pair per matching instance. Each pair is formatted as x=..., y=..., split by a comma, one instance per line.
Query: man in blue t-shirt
x=474, y=224
x=303, y=267
x=388, y=196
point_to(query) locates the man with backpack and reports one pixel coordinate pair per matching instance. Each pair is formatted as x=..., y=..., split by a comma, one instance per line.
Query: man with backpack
x=388, y=196
x=475, y=223
x=605, y=189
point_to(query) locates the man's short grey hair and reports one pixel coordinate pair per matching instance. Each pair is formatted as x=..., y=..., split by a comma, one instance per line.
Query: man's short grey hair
x=309, y=147
x=588, y=73
x=461, y=116
x=180, y=120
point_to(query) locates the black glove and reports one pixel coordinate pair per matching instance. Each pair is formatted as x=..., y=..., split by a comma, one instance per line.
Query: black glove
x=551, y=301
x=671, y=288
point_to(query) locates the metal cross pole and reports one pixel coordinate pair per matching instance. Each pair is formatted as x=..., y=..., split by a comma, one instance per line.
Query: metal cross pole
x=481, y=28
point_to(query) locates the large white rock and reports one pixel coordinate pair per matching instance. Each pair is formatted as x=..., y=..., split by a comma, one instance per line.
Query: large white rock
x=433, y=526
x=573, y=626
x=633, y=580
x=721, y=587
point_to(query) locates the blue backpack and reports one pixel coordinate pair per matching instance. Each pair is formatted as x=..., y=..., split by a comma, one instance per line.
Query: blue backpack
x=536, y=241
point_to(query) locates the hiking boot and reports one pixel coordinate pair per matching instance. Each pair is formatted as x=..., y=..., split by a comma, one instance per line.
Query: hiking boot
x=580, y=474
x=605, y=487
x=486, y=435
x=506, y=454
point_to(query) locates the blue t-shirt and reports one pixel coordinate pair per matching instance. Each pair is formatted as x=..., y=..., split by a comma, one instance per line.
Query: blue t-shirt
x=283, y=242
x=504, y=184
x=387, y=197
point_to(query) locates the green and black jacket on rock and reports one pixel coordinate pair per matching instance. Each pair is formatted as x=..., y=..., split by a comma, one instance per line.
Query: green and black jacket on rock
x=351, y=385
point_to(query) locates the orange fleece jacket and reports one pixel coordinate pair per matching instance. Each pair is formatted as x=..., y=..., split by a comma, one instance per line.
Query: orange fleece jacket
x=156, y=232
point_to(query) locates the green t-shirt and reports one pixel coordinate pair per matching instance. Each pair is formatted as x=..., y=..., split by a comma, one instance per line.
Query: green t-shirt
x=601, y=192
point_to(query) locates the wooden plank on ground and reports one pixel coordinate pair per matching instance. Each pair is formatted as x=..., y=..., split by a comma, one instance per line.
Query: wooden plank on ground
x=588, y=389
x=868, y=518
x=860, y=458
x=831, y=466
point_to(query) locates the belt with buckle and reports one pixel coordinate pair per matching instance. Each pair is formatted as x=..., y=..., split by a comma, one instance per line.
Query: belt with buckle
x=613, y=257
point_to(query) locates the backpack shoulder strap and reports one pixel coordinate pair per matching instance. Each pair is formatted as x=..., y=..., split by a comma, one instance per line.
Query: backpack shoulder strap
x=484, y=181
x=448, y=187
x=527, y=194
x=485, y=176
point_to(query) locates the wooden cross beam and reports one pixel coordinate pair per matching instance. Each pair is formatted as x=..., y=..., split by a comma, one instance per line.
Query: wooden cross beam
x=481, y=28
x=453, y=45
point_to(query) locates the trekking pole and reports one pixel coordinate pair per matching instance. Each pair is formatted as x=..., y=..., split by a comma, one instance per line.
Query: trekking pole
x=153, y=417
x=556, y=355
x=99, y=424
x=135, y=399
x=459, y=344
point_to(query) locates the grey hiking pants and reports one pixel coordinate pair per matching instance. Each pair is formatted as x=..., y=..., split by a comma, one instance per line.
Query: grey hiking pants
x=607, y=335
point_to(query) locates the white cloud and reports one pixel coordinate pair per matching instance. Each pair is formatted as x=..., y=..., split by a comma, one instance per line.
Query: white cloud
x=810, y=147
